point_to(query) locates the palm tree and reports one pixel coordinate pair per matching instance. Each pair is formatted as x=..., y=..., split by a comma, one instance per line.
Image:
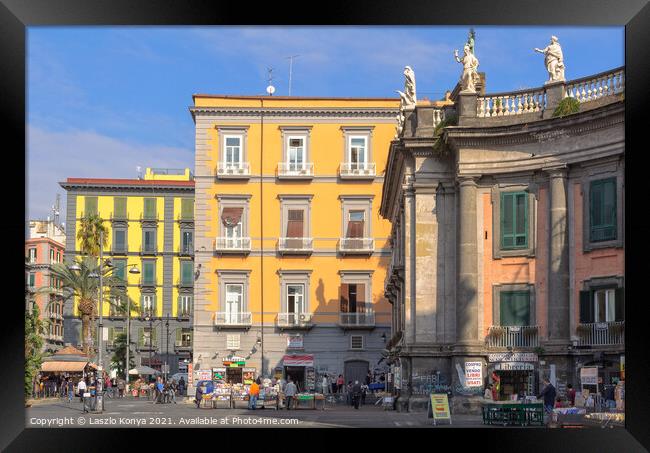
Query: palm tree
x=89, y=234
x=84, y=285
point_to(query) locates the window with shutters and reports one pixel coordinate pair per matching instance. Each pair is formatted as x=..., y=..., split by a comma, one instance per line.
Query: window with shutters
x=183, y=337
x=187, y=273
x=514, y=220
x=119, y=240
x=353, y=298
x=233, y=342
x=602, y=305
x=356, y=341
x=90, y=206
x=515, y=308
x=602, y=210
x=32, y=279
x=113, y=334
x=119, y=270
x=32, y=255
x=184, y=305
x=149, y=209
x=233, y=228
x=147, y=338
x=187, y=242
x=58, y=257
x=52, y=256
x=117, y=306
x=187, y=209
x=149, y=240
x=148, y=272
x=119, y=208
x=148, y=305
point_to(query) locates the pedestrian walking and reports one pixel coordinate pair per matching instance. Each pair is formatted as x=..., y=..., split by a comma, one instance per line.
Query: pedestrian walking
x=120, y=388
x=290, y=392
x=340, y=383
x=159, y=391
x=83, y=395
x=349, y=393
x=571, y=395
x=198, y=396
x=181, y=387
x=364, y=392
x=70, y=391
x=172, y=391
x=548, y=394
x=254, y=393
x=355, y=391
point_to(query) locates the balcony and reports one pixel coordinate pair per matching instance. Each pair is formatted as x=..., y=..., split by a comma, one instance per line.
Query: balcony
x=290, y=170
x=295, y=246
x=148, y=312
x=356, y=246
x=233, y=245
x=186, y=250
x=512, y=337
x=294, y=321
x=149, y=217
x=118, y=217
x=183, y=313
x=228, y=170
x=357, y=170
x=144, y=250
x=358, y=320
x=601, y=334
x=119, y=251
x=233, y=319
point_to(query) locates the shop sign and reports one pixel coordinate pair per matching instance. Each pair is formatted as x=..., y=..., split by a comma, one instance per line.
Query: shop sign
x=219, y=373
x=440, y=406
x=589, y=375
x=514, y=366
x=190, y=376
x=513, y=357
x=298, y=360
x=473, y=374
x=248, y=375
x=295, y=342
x=204, y=375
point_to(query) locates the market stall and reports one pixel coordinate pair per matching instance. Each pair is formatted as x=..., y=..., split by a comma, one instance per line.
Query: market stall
x=309, y=401
x=269, y=395
x=222, y=395
x=239, y=396
x=513, y=413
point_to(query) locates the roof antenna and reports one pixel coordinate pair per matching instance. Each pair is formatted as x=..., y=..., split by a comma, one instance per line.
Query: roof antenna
x=270, y=89
x=291, y=69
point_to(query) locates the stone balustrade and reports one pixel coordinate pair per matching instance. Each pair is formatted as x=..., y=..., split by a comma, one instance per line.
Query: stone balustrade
x=513, y=103
x=597, y=86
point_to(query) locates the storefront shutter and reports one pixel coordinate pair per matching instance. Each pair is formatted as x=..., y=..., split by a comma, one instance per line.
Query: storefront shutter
x=361, y=298
x=586, y=307
x=619, y=304
x=345, y=297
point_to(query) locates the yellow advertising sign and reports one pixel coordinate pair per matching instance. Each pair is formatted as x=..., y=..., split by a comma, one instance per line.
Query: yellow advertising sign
x=440, y=407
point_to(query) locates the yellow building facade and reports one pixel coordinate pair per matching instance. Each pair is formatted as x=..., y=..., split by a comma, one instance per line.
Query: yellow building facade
x=150, y=224
x=291, y=251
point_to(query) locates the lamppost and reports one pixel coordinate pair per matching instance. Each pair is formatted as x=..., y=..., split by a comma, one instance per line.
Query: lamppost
x=135, y=271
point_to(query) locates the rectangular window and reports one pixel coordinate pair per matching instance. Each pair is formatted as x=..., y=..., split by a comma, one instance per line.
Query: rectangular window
x=514, y=220
x=149, y=272
x=604, y=305
x=32, y=279
x=232, y=150
x=119, y=208
x=187, y=272
x=52, y=256
x=356, y=341
x=232, y=342
x=187, y=208
x=187, y=242
x=148, y=304
x=119, y=240
x=184, y=337
x=358, y=152
x=116, y=306
x=602, y=210
x=296, y=299
x=515, y=308
x=184, y=305
x=58, y=257
x=90, y=206
x=119, y=269
x=231, y=218
x=32, y=255
x=356, y=223
x=296, y=153
x=150, y=208
x=149, y=240
x=147, y=337
x=234, y=302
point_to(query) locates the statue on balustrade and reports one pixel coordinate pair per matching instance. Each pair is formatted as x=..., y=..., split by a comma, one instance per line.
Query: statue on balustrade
x=554, y=60
x=469, y=77
x=408, y=96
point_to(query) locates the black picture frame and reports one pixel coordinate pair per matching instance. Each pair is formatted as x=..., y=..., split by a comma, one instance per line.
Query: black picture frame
x=16, y=15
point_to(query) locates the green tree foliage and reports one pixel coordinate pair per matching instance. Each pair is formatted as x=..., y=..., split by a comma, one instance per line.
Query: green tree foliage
x=567, y=106
x=119, y=356
x=89, y=234
x=34, y=331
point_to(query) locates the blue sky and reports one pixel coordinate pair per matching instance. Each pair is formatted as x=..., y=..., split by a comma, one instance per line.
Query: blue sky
x=103, y=100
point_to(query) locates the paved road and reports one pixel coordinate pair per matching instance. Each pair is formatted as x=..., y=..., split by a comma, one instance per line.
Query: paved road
x=138, y=414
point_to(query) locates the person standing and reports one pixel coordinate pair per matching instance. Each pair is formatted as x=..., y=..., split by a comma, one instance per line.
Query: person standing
x=548, y=394
x=121, y=387
x=571, y=394
x=368, y=378
x=254, y=393
x=364, y=392
x=70, y=390
x=340, y=383
x=82, y=392
x=181, y=387
x=325, y=385
x=290, y=392
x=355, y=392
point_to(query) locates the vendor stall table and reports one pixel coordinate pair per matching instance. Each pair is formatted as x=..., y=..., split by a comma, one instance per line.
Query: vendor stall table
x=568, y=416
x=309, y=401
x=224, y=400
x=513, y=413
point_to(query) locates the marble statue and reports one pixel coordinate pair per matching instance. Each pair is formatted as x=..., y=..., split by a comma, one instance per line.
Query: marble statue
x=469, y=76
x=400, y=124
x=408, y=96
x=554, y=60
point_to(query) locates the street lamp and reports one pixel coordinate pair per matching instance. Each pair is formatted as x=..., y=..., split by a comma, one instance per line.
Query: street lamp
x=134, y=271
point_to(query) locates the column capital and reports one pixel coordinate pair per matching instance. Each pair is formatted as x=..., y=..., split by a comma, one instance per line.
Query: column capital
x=468, y=180
x=557, y=172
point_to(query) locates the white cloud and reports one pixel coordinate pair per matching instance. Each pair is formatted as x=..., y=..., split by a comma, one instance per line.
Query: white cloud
x=54, y=156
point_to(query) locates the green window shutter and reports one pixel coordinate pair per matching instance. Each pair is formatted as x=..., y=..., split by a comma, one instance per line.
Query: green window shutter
x=507, y=222
x=515, y=308
x=619, y=304
x=186, y=272
x=119, y=240
x=119, y=207
x=141, y=336
x=602, y=210
x=148, y=269
x=32, y=279
x=586, y=308
x=149, y=208
x=90, y=206
x=514, y=220
x=187, y=208
x=119, y=269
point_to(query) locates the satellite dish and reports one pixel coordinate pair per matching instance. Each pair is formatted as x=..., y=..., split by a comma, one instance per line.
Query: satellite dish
x=270, y=90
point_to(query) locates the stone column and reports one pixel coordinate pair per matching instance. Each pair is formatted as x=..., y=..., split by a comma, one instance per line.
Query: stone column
x=409, y=266
x=467, y=282
x=558, y=278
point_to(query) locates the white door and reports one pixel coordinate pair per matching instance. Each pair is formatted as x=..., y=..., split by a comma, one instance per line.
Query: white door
x=233, y=237
x=296, y=154
x=234, y=298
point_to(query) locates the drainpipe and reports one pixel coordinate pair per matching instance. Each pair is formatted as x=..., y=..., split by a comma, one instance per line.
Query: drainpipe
x=262, y=234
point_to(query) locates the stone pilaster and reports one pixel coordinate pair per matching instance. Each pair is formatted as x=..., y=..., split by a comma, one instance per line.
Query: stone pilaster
x=410, y=289
x=466, y=106
x=467, y=283
x=558, y=278
x=554, y=94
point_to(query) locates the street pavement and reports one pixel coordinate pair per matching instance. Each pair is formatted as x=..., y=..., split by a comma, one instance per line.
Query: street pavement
x=138, y=413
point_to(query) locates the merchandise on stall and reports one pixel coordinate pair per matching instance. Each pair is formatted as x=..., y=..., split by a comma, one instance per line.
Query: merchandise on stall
x=239, y=395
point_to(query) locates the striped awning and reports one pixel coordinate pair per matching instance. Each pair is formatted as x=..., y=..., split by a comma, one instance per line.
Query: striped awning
x=298, y=360
x=56, y=365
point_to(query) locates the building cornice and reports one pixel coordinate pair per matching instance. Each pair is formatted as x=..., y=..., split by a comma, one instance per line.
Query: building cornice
x=303, y=112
